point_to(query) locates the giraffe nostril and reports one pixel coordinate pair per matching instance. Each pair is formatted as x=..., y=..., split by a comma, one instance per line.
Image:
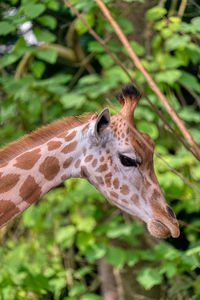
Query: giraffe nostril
x=170, y=212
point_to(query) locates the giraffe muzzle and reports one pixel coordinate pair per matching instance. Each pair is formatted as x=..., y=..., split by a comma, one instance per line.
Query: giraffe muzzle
x=160, y=230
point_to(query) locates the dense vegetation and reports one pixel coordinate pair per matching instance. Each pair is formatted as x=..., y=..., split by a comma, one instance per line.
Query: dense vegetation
x=52, y=67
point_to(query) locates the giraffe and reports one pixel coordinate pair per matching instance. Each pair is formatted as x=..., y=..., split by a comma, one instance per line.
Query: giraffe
x=108, y=151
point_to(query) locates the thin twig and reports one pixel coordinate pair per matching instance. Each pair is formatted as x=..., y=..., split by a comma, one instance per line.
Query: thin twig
x=195, y=4
x=150, y=81
x=172, y=9
x=118, y=62
x=182, y=8
x=194, y=187
x=92, y=32
x=189, y=226
x=62, y=51
x=194, y=95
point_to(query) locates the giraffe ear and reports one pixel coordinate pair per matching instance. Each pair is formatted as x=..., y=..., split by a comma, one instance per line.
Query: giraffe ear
x=102, y=122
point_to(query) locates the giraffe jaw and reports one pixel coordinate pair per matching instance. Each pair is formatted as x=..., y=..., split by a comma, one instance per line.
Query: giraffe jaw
x=155, y=227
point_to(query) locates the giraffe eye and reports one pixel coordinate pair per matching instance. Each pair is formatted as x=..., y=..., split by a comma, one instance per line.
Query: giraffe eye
x=128, y=162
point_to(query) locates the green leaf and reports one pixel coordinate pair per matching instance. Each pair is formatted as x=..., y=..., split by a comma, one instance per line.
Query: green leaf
x=36, y=283
x=193, y=51
x=116, y=256
x=72, y=99
x=21, y=43
x=6, y=28
x=155, y=13
x=48, y=21
x=52, y=4
x=196, y=173
x=38, y=68
x=196, y=23
x=176, y=41
x=44, y=35
x=114, y=45
x=188, y=113
x=149, y=128
x=125, y=24
x=120, y=230
x=149, y=277
x=169, y=268
x=94, y=46
x=190, y=81
x=139, y=50
x=65, y=236
x=131, y=258
x=105, y=60
x=33, y=10
x=89, y=79
x=169, y=76
x=193, y=251
x=95, y=252
x=171, y=62
x=11, y=58
x=91, y=296
x=77, y=289
x=80, y=27
x=48, y=55
x=84, y=240
x=86, y=224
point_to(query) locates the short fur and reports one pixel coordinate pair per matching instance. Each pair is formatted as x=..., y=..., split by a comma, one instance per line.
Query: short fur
x=41, y=135
x=130, y=90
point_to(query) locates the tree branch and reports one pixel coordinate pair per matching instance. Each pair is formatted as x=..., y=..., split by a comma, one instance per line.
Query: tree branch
x=102, y=42
x=118, y=62
x=64, y=52
x=108, y=283
x=150, y=81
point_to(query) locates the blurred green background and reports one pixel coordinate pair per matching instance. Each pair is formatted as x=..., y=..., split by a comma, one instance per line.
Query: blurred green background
x=62, y=247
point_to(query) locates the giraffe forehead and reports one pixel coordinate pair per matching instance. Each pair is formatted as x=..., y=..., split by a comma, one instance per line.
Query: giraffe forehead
x=141, y=143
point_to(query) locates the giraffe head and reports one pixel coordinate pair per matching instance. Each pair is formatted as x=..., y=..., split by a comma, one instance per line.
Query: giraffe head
x=119, y=163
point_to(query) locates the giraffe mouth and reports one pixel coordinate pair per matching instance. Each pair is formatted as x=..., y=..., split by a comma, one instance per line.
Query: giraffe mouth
x=160, y=230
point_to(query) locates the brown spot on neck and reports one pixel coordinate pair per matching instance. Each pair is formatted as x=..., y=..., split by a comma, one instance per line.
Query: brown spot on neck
x=113, y=194
x=64, y=177
x=27, y=160
x=88, y=158
x=85, y=128
x=69, y=148
x=30, y=191
x=94, y=163
x=70, y=136
x=7, y=182
x=42, y=136
x=116, y=183
x=102, y=159
x=84, y=172
x=124, y=189
x=67, y=162
x=50, y=167
x=135, y=199
x=3, y=165
x=52, y=145
x=77, y=164
x=108, y=178
x=99, y=180
x=8, y=210
x=102, y=168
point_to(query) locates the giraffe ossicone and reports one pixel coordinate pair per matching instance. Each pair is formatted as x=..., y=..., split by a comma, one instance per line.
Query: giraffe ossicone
x=108, y=151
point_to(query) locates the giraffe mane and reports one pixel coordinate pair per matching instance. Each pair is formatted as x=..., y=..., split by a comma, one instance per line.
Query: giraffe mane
x=42, y=135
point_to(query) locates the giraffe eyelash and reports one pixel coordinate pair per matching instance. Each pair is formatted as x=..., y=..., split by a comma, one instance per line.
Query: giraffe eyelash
x=128, y=161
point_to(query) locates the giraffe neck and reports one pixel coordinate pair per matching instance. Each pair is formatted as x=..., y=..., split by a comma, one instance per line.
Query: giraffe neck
x=28, y=176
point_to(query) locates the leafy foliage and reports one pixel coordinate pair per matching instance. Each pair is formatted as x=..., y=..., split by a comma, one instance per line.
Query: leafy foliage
x=52, y=250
